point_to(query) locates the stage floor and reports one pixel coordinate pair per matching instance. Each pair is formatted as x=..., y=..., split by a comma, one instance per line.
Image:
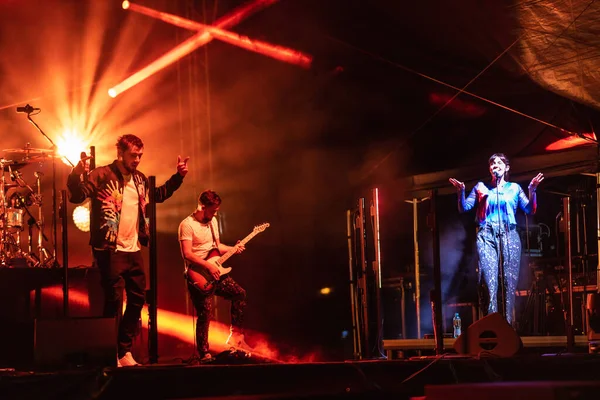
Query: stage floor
x=253, y=378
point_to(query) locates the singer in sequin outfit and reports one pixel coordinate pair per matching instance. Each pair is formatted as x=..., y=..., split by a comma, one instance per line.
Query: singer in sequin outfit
x=497, y=204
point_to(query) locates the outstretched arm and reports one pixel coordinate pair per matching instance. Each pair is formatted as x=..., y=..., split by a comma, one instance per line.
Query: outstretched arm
x=165, y=191
x=464, y=204
x=529, y=204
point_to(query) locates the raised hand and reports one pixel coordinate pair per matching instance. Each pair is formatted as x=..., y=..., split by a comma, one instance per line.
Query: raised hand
x=457, y=184
x=536, y=181
x=83, y=166
x=182, y=167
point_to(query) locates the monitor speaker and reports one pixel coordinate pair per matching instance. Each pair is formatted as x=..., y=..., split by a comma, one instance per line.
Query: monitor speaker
x=490, y=335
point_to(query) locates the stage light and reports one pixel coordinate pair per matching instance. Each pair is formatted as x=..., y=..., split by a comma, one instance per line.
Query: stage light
x=199, y=39
x=278, y=52
x=81, y=217
x=573, y=141
x=325, y=291
x=70, y=145
x=206, y=33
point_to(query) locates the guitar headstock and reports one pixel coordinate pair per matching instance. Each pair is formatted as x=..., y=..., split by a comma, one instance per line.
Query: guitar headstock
x=261, y=227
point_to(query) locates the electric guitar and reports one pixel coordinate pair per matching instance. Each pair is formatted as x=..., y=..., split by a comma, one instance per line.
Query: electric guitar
x=202, y=278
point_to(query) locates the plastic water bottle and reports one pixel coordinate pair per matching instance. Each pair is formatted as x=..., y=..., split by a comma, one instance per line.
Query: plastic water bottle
x=456, y=323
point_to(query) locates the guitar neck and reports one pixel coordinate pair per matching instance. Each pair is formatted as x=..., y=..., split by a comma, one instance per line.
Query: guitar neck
x=233, y=250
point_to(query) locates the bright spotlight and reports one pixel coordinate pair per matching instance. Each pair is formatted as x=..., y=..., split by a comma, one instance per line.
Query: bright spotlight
x=70, y=145
x=125, y=5
x=81, y=217
x=112, y=93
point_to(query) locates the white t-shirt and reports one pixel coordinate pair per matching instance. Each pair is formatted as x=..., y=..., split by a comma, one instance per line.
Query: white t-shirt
x=127, y=236
x=200, y=235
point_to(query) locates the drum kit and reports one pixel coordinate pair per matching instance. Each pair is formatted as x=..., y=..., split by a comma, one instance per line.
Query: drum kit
x=21, y=206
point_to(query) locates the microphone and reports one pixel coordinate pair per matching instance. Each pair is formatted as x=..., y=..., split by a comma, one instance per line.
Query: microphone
x=497, y=174
x=83, y=157
x=27, y=109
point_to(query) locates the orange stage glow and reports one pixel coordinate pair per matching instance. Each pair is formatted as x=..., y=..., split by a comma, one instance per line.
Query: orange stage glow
x=70, y=145
x=572, y=141
x=182, y=327
x=191, y=44
x=76, y=298
x=69, y=75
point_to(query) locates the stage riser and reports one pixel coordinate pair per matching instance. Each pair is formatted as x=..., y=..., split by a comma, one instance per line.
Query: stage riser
x=58, y=344
x=375, y=379
x=516, y=390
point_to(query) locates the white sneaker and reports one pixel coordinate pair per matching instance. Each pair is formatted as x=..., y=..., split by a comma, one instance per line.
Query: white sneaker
x=127, y=361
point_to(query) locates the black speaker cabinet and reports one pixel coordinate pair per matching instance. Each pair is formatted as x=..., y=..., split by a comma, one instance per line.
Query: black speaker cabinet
x=75, y=342
x=490, y=335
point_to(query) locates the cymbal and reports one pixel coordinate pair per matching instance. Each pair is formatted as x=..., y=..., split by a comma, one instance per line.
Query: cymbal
x=30, y=151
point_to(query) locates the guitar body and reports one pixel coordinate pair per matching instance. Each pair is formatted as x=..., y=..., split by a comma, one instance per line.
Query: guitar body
x=202, y=279
x=200, y=276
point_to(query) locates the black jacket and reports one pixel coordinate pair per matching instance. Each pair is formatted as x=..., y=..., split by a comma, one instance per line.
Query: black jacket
x=104, y=186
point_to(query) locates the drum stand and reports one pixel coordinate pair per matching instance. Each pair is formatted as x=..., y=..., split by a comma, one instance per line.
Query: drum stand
x=43, y=258
x=11, y=223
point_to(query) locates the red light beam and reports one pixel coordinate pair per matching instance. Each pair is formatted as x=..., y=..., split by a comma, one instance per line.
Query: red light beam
x=277, y=52
x=572, y=141
x=191, y=44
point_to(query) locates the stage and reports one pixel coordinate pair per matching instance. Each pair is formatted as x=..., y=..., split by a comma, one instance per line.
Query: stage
x=254, y=378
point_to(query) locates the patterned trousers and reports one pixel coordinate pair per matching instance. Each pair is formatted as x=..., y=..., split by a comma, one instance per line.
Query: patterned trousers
x=227, y=288
x=488, y=239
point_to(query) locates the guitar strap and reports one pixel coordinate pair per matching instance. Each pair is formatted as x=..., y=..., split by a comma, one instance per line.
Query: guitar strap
x=212, y=232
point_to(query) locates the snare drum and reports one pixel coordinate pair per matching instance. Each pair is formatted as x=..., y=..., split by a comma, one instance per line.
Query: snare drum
x=14, y=218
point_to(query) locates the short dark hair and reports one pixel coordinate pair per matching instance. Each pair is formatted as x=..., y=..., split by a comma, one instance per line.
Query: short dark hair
x=128, y=141
x=209, y=198
x=501, y=156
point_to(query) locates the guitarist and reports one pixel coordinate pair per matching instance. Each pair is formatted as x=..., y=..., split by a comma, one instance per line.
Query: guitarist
x=199, y=241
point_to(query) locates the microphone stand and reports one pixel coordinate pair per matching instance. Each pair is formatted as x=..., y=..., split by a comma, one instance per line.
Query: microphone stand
x=502, y=307
x=54, y=228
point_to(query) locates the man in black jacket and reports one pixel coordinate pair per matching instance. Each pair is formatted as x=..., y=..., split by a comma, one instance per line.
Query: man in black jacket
x=118, y=226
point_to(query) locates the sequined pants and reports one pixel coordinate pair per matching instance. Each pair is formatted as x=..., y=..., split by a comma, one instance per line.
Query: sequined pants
x=488, y=251
x=203, y=303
